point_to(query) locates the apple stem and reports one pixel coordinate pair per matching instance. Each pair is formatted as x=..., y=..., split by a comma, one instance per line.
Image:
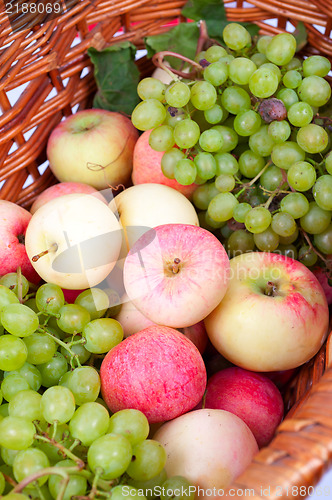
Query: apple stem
x=53, y=248
x=175, y=265
x=270, y=289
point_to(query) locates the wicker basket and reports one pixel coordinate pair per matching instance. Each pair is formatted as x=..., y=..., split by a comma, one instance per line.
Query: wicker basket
x=56, y=79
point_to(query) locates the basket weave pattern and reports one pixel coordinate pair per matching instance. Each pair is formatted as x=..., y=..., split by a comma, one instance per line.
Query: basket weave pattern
x=51, y=66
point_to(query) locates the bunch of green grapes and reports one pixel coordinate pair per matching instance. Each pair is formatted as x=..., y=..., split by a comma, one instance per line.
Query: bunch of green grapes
x=58, y=439
x=247, y=131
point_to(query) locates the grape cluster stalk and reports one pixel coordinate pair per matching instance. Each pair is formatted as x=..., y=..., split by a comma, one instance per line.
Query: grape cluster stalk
x=58, y=439
x=247, y=125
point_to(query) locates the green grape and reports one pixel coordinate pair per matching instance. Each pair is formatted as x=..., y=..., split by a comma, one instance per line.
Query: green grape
x=131, y=424
x=271, y=178
x=169, y=160
x=323, y=240
x=185, y=172
x=236, y=36
x=225, y=183
x=261, y=143
x=226, y=164
x=315, y=221
x=204, y=194
x=11, y=281
x=262, y=43
x=279, y=131
x=102, y=335
x=322, y=191
x=57, y=404
x=186, y=133
x=316, y=65
x=257, y=220
x=250, y=163
x=281, y=49
x=203, y=95
x=295, y=204
x=84, y=384
x=209, y=223
x=4, y=410
x=216, y=73
x=241, y=69
x=60, y=432
x=267, y=241
x=30, y=373
x=148, y=114
x=78, y=353
x=73, y=318
x=8, y=455
x=200, y=56
x=307, y=256
x=89, y=422
x=211, y=140
x=28, y=462
x=40, y=348
x=16, y=433
x=328, y=163
x=149, y=458
x=263, y=82
x=76, y=486
x=285, y=154
x=214, y=53
x=314, y=90
x=2, y=483
x=287, y=96
x=49, y=298
x=288, y=251
x=206, y=165
x=287, y=240
x=221, y=207
x=283, y=224
x=161, y=138
x=294, y=63
x=152, y=487
x=19, y=320
x=215, y=115
x=151, y=88
x=15, y=496
x=227, y=59
x=173, y=116
x=274, y=68
x=247, y=123
x=123, y=491
x=312, y=138
x=258, y=59
x=177, y=94
x=177, y=488
x=13, y=353
x=229, y=138
x=301, y=176
x=292, y=79
x=12, y=384
x=26, y=404
x=112, y=453
x=95, y=301
x=52, y=371
x=300, y=114
x=239, y=242
x=240, y=211
x=235, y=99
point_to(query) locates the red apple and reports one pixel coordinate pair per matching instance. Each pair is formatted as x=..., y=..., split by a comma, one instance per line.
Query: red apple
x=176, y=274
x=93, y=146
x=157, y=371
x=147, y=168
x=64, y=188
x=274, y=315
x=251, y=396
x=197, y=334
x=322, y=276
x=13, y=224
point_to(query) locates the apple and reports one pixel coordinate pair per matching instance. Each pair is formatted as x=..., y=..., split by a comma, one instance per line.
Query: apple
x=274, y=315
x=176, y=274
x=211, y=448
x=93, y=146
x=323, y=276
x=157, y=371
x=197, y=334
x=147, y=167
x=63, y=188
x=251, y=396
x=145, y=206
x=73, y=241
x=13, y=224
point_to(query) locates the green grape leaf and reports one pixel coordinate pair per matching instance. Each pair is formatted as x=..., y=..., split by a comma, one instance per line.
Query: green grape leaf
x=116, y=76
x=181, y=39
x=300, y=35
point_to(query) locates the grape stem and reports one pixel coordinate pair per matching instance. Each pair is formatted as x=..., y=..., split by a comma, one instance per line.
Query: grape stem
x=42, y=329
x=64, y=451
x=158, y=60
x=312, y=248
x=259, y=174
